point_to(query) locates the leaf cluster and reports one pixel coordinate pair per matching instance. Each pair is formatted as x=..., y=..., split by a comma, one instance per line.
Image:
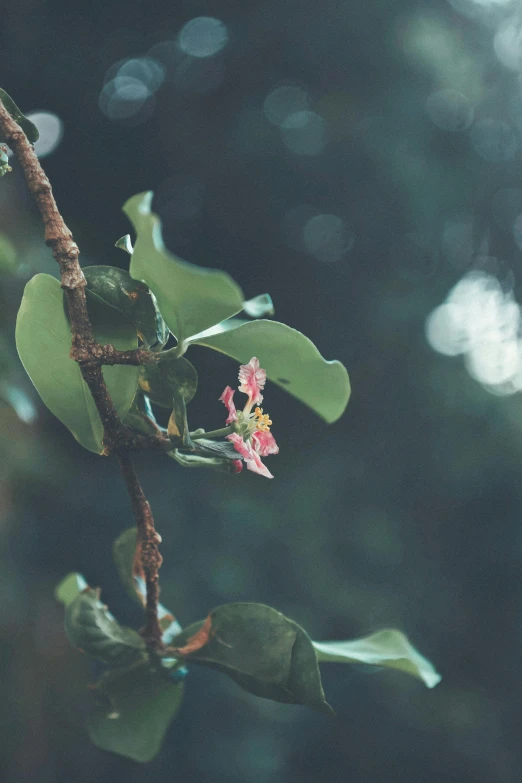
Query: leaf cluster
x=162, y=295
x=264, y=652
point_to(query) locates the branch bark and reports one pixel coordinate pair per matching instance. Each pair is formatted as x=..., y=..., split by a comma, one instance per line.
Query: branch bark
x=90, y=356
x=148, y=541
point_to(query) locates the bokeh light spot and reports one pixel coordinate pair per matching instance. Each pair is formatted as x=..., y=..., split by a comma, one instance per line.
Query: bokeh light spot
x=493, y=140
x=123, y=97
x=481, y=320
x=450, y=110
x=444, y=330
x=508, y=43
x=327, y=238
x=304, y=133
x=145, y=69
x=284, y=101
x=50, y=128
x=203, y=36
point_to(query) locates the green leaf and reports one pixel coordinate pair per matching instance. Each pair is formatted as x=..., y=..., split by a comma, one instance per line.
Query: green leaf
x=291, y=361
x=124, y=243
x=124, y=553
x=131, y=299
x=43, y=339
x=91, y=627
x=178, y=428
x=384, y=648
x=133, y=712
x=196, y=460
x=262, y=650
x=259, y=306
x=30, y=130
x=140, y=417
x=70, y=588
x=190, y=298
x=161, y=380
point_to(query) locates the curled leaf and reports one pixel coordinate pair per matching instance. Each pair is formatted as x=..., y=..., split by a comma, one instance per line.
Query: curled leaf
x=190, y=298
x=28, y=127
x=70, y=588
x=124, y=243
x=127, y=560
x=91, y=627
x=132, y=301
x=260, y=649
x=140, y=417
x=178, y=429
x=385, y=648
x=259, y=306
x=161, y=380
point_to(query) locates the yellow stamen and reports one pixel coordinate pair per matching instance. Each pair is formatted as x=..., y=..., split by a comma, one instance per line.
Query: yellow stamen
x=262, y=420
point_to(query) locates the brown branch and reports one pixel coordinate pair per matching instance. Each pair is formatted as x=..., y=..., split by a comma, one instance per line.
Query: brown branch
x=90, y=356
x=148, y=540
x=139, y=356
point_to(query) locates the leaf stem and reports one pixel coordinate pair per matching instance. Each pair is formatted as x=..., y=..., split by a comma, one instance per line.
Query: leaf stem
x=212, y=434
x=90, y=357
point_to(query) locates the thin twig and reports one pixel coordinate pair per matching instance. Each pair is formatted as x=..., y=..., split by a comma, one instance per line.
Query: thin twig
x=90, y=356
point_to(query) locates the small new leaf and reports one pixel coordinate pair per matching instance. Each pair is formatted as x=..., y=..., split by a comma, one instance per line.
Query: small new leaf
x=70, y=588
x=262, y=650
x=177, y=428
x=133, y=711
x=385, y=648
x=128, y=565
x=131, y=300
x=259, y=306
x=160, y=381
x=124, y=243
x=29, y=128
x=91, y=627
x=140, y=417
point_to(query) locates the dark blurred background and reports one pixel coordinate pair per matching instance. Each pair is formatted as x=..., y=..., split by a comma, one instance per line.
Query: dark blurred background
x=362, y=162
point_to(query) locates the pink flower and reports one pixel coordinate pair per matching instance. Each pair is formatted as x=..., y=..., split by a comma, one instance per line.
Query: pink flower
x=251, y=457
x=227, y=398
x=253, y=380
x=252, y=437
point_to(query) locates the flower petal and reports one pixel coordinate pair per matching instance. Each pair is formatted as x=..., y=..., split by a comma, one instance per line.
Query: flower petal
x=251, y=457
x=243, y=448
x=252, y=379
x=264, y=443
x=227, y=398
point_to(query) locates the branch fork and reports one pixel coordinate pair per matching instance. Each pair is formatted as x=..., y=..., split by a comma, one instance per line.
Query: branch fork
x=91, y=356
